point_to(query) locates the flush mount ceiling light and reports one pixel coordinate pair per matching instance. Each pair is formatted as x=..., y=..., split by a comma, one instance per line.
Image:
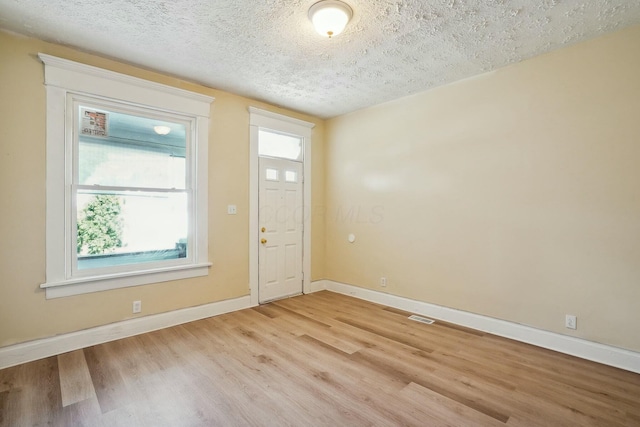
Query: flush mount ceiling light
x=329, y=17
x=161, y=130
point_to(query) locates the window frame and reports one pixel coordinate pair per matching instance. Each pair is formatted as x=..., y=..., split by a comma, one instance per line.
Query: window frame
x=74, y=104
x=67, y=80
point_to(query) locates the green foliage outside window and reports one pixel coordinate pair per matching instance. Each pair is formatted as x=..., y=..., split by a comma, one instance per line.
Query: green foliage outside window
x=100, y=225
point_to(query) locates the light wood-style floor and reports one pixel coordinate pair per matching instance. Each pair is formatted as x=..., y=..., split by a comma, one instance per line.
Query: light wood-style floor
x=317, y=360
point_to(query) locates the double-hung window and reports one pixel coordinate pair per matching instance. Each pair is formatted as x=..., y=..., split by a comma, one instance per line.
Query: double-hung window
x=130, y=189
x=126, y=180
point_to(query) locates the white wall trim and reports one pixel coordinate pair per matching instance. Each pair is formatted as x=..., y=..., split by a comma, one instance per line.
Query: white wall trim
x=68, y=74
x=269, y=119
x=259, y=118
x=46, y=347
x=67, y=82
x=33, y=350
x=315, y=286
x=601, y=353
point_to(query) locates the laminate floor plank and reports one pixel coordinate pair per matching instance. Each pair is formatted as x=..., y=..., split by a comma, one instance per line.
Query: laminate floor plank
x=536, y=385
x=508, y=398
x=551, y=361
x=300, y=317
x=438, y=322
x=267, y=310
x=329, y=336
x=265, y=355
x=494, y=378
x=460, y=365
x=401, y=319
x=82, y=413
x=33, y=395
x=578, y=399
x=536, y=370
x=75, y=380
x=222, y=397
x=283, y=380
x=388, y=334
x=248, y=366
x=342, y=378
x=391, y=324
x=366, y=392
x=309, y=309
x=107, y=379
x=445, y=411
x=451, y=387
x=319, y=360
x=10, y=396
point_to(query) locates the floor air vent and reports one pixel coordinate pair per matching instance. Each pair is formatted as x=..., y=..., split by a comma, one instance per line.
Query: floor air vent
x=421, y=319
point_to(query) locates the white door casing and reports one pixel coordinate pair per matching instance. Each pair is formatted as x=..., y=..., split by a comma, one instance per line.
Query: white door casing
x=263, y=119
x=281, y=217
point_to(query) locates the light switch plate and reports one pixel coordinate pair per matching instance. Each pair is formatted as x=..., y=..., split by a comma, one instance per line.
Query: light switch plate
x=232, y=209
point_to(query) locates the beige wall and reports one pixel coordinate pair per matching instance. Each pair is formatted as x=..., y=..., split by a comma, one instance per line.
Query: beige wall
x=24, y=312
x=514, y=195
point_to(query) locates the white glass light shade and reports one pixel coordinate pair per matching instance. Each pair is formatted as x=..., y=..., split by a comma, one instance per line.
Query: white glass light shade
x=162, y=130
x=329, y=17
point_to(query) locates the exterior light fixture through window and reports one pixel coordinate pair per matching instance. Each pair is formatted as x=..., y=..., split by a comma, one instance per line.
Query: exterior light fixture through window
x=162, y=130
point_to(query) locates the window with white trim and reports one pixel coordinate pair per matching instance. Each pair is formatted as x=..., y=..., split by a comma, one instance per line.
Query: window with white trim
x=126, y=180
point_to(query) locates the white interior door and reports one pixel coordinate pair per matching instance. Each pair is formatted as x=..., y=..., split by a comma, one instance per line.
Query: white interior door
x=281, y=219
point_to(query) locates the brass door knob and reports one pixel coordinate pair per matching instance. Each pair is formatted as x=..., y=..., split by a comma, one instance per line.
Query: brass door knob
x=263, y=241
x=263, y=229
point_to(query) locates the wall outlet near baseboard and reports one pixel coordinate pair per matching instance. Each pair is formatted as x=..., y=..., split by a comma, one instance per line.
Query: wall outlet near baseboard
x=571, y=321
x=383, y=282
x=137, y=306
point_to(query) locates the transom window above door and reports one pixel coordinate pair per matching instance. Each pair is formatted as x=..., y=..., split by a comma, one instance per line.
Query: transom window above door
x=279, y=145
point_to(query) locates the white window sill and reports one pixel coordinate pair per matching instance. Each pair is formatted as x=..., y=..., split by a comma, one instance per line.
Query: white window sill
x=87, y=285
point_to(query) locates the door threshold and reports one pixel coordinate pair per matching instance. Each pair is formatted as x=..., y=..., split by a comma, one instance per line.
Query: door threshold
x=280, y=298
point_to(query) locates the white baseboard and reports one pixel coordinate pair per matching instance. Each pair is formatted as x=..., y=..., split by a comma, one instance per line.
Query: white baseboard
x=46, y=347
x=315, y=286
x=601, y=353
x=38, y=349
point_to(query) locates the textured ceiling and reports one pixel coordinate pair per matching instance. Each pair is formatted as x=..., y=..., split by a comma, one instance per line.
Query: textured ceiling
x=268, y=50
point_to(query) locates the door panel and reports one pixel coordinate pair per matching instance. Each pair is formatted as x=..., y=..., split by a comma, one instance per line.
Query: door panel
x=281, y=218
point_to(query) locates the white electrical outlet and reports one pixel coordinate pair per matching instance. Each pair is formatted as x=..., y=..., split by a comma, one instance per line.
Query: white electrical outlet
x=383, y=281
x=232, y=209
x=137, y=306
x=571, y=321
